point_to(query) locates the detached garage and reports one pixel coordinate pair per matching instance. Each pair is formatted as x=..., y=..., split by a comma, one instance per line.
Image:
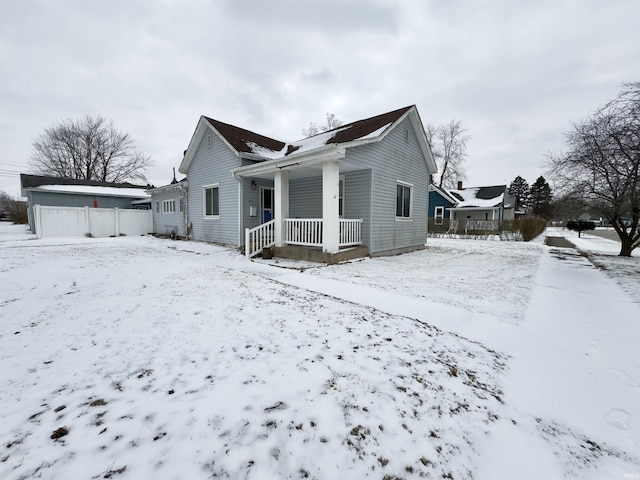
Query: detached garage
x=87, y=207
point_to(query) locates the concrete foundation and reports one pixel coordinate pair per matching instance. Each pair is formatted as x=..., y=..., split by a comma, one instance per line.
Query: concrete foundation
x=311, y=254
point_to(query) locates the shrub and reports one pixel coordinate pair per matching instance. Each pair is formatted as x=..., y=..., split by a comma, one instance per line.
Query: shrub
x=531, y=227
x=580, y=226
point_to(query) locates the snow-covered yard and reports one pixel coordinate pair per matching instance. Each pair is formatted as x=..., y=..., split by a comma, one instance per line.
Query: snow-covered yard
x=133, y=358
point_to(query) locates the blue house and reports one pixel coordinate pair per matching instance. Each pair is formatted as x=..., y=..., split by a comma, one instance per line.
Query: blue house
x=440, y=204
x=363, y=184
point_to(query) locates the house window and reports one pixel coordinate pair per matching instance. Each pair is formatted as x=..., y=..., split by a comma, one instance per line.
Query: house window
x=439, y=215
x=341, y=197
x=168, y=206
x=406, y=135
x=403, y=200
x=157, y=207
x=211, y=201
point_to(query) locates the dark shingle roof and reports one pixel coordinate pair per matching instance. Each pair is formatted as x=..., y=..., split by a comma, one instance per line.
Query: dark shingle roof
x=361, y=128
x=32, y=181
x=242, y=139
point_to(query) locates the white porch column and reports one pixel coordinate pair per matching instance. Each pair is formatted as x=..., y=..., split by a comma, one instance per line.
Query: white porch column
x=281, y=207
x=330, y=220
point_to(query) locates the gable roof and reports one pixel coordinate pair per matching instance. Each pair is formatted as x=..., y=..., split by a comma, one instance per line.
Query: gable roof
x=260, y=148
x=479, y=197
x=34, y=181
x=443, y=193
x=367, y=128
x=242, y=140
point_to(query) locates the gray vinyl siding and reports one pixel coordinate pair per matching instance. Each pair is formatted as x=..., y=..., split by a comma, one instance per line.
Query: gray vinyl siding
x=212, y=165
x=61, y=199
x=305, y=198
x=164, y=223
x=357, y=200
x=392, y=160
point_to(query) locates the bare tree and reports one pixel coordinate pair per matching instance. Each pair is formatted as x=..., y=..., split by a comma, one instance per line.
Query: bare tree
x=449, y=147
x=314, y=129
x=89, y=148
x=602, y=164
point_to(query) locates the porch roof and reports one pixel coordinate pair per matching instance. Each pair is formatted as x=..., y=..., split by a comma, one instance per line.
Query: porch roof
x=302, y=164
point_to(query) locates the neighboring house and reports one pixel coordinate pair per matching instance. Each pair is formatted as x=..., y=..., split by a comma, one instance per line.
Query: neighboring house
x=440, y=203
x=169, y=206
x=482, y=208
x=67, y=192
x=361, y=184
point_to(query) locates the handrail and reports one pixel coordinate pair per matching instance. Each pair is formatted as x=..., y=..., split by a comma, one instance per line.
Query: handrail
x=258, y=238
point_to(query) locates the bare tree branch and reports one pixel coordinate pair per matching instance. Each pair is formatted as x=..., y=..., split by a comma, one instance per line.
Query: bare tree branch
x=91, y=148
x=449, y=148
x=602, y=164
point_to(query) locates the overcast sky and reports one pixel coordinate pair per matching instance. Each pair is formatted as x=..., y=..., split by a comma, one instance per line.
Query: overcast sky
x=516, y=73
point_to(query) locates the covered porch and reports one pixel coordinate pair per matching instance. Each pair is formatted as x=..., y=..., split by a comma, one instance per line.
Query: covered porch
x=474, y=219
x=330, y=233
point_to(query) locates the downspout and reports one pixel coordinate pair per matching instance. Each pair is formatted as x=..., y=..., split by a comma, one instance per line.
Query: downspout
x=240, y=208
x=185, y=213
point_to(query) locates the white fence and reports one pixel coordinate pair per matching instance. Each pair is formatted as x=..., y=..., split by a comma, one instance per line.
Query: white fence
x=98, y=222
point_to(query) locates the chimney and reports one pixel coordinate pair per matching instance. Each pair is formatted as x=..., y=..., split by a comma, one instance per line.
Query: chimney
x=459, y=184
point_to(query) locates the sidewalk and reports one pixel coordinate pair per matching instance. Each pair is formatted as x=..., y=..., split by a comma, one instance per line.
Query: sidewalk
x=575, y=364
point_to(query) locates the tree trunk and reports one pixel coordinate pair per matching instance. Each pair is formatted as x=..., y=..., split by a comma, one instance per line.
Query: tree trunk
x=626, y=248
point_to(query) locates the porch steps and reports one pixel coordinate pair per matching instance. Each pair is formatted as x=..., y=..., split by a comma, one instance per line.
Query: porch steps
x=310, y=254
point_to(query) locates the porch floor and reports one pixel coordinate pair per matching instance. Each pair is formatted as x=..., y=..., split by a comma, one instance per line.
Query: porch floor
x=315, y=254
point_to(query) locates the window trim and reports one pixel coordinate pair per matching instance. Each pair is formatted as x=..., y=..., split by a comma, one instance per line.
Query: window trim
x=410, y=187
x=166, y=203
x=439, y=215
x=204, y=201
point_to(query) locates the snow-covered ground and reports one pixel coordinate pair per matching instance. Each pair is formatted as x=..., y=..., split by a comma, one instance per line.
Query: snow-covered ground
x=135, y=358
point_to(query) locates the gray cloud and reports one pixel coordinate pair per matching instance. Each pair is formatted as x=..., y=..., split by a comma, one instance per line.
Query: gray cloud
x=516, y=73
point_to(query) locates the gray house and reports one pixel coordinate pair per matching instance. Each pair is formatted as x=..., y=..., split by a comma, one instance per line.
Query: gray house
x=363, y=184
x=169, y=206
x=67, y=192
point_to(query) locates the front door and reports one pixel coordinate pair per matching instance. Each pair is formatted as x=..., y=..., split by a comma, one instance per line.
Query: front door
x=266, y=198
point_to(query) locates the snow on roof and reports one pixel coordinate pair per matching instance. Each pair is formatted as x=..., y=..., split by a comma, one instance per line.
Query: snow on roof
x=91, y=190
x=268, y=148
x=479, y=197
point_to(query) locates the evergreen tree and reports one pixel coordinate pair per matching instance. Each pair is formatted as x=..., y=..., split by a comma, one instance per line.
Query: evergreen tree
x=541, y=197
x=519, y=188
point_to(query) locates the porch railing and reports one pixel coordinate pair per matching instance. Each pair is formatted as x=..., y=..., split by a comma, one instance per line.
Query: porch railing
x=350, y=232
x=308, y=232
x=258, y=238
x=304, y=231
x=300, y=231
x=481, y=225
